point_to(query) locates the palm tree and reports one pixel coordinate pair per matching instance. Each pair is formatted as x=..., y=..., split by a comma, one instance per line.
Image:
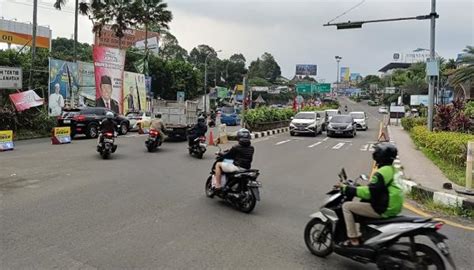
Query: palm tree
x=465, y=73
x=59, y=4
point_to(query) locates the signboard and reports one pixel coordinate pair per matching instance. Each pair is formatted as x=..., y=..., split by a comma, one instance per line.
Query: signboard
x=397, y=111
x=61, y=135
x=63, y=86
x=107, y=38
x=6, y=140
x=345, y=74
x=21, y=34
x=310, y=88
x=390, y=90
x=416, y=100
x=306, y=70
x=86, y=81
x=355, y=77
x=134, y=92
x=259, y=88
x=152, y=45
x=10, y=78
x=26, y=100
x=108, y=65
x=180, y=96
x=303, y=88
x=322, y=88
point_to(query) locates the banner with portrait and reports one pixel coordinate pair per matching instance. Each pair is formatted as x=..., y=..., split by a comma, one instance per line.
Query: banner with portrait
x=134, y=92
x=108, y=67
x=63, y=86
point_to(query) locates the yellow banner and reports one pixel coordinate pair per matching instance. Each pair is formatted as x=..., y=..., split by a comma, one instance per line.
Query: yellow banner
x=62, y=131
x=23, y=39
x=6, y=136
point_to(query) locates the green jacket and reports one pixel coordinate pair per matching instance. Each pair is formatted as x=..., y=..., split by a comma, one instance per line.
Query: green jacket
x=383, y=193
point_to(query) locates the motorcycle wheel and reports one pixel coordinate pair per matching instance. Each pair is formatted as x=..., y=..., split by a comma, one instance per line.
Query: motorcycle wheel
x=426, y=258
x=318, y=237
x=199, y=155
x=105, y=154
x=208, y=187
x=247, y=204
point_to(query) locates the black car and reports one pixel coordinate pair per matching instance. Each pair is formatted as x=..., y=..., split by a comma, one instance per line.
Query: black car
x=87, y=120
x=341, y=125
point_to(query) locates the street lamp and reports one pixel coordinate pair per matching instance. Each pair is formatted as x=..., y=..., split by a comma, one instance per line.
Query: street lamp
x=205, y=79
x=338, y=59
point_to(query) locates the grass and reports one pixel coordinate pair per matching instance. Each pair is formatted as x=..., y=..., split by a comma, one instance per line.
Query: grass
x=430, y=205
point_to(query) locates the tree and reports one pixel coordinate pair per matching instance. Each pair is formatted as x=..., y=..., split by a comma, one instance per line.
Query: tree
x=235, y=70
x=59, y=4
x=170, y=48
x=266, y=68
x=198, y=55
x=62, y=48
x=465, y=73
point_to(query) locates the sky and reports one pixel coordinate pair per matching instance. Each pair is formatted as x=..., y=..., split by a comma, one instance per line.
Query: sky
x=292, y=30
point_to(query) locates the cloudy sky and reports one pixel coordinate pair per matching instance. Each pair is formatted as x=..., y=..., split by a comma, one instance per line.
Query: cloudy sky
x=292, y=30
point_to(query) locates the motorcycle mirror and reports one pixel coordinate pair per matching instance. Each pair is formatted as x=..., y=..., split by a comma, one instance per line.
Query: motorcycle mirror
x=343, y=174
x=364, y=177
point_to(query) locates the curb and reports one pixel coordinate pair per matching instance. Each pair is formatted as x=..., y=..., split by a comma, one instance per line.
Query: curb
x=440, y=197
x=261, y=134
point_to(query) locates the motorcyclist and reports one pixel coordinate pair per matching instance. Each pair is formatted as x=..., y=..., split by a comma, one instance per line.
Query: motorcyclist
x=241, y=154
x=213, y=118
x=197, y=130
x=106, y=126
x=382, y=198
x=158, y=124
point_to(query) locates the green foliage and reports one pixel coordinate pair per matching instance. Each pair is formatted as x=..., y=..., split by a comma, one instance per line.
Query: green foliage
x=465, y=73
x=266, y=68
x=409, y=122
x=456, y=210
x=320, y=108
x=257, y=81
x=266, y=114
x=469, y=110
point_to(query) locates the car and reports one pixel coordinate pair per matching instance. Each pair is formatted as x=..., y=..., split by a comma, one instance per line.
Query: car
x=87, y=121
x=230, y=116
x=329, y=114
x=137, y=118
x=307, y=123
x=383, y=110
x=361, y=120
x=341, y=125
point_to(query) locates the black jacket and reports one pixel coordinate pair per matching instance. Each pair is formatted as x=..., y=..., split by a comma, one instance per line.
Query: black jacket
x=242, y=155
x=107, y=126
x=199, y=129
x=114, y=106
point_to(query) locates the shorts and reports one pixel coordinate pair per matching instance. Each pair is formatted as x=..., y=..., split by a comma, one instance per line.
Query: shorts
x=229, y=167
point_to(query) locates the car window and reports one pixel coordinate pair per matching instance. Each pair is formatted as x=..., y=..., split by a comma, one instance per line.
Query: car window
x=228, y=110
x=357, y=115
x=305, y=116
x=148, y=114
x=341, y=119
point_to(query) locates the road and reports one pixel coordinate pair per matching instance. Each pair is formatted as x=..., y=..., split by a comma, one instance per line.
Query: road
x=63, y=207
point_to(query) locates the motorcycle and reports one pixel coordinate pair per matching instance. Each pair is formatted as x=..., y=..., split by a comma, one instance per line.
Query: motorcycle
x=199, y=147
x=153, y=141
x=389, y=243
x=240, y=189
x=107, y=146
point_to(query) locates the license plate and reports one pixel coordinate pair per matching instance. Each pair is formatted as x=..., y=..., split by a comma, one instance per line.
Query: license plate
x=108, y=140
x=338, y=132
x=67, y=121
x=301, y=128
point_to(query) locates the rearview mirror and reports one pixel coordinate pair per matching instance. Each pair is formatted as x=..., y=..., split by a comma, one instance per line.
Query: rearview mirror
x=364, y=177
x=292, y=118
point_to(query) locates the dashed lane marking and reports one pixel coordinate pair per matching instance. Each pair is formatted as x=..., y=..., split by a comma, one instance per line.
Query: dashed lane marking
x=282, y=142
x=364, y=147
x=338, y=146
x=315, y=144
x=325, y=139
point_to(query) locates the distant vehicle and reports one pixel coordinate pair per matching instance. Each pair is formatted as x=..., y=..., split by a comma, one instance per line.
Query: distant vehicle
x=87, y=121
x=177, y=117
x=137, y=118
x=342, y=125
x=383, y=110
x=230, y=116
x=307, y=123
x=361, y=120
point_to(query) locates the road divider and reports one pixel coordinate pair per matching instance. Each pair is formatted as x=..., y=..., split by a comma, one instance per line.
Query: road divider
x=6, y=140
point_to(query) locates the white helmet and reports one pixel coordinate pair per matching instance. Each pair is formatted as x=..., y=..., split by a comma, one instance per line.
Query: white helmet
x=109, y=115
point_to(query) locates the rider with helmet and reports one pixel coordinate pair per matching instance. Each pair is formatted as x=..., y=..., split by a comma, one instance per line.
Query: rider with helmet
x=158, y=124
x=106, y=126
x=241, y=154
x=197, y=130
x=382, y=198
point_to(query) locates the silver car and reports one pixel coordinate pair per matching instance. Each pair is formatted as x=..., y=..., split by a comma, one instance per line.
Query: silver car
x=307, y=123
x=361, y=120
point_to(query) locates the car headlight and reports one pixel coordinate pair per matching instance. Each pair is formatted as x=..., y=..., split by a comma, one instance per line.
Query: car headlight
x=312, y=124
x=329, y=125
x=349, y=126
x=292, y=125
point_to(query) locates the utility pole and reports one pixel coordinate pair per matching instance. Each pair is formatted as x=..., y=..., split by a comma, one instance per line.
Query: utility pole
x=33, y=48
x=338, y=59
x=431, y=87
x=76, y=16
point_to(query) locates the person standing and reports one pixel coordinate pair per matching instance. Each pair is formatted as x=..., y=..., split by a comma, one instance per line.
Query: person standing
x=56, y=102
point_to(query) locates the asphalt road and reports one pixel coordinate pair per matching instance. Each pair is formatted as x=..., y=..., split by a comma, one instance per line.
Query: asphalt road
x=62, y=207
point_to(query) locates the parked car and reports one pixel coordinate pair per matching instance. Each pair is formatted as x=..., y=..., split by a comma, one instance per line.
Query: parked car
x=342, y=125
x=383, y=110
x=230, y=116
x=307, y=123
x=87, y=121
x=137, y=118
x=361, y=120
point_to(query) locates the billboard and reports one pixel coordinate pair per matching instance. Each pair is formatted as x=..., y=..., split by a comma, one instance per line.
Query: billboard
x=107, y=38
x=10, y=78
x=354, y=77
x=416, y=100
x=21, y=34
x=345, y=74
x=134, y=92
x=63, y=86
x=108, y=68
x=86, y=81
x=309, y=70
x=25, y=100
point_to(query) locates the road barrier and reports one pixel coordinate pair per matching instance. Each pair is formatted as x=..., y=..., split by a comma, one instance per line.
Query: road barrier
x=61, y=135
x=6, y=140
x=222, y=139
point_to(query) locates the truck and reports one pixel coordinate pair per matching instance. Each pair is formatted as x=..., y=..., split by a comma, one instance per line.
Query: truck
x=177, y=116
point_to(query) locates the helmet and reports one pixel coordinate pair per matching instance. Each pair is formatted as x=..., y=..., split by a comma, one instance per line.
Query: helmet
x=201, y=119
x=109, y=115
x=384, y=154
x=158, y=115
x=243, y=136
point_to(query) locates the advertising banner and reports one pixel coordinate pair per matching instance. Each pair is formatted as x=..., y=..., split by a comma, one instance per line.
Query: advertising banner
x=26, y=100
x=345, y=74
x=63, y=86
x=134, y=92
x=416, y=100
x=108, y=67
x=355, y=77
x=6, y=140
x=61, y=135
x=21, y=34
x=86, y=81
x=108, y=38
x=309, y=70
x=10, y=78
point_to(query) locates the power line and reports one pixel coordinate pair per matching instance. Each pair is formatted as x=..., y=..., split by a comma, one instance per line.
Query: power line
x=347, y=11
x=45, y=7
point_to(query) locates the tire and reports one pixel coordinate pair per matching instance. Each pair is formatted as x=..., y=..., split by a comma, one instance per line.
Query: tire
x=92, y=131
x=321, y=130
x=105, y=154
x=249, y=205
x=427, y=258
x=150, y=148
x=366, y=128
x=292, y=133
x=309, y=235
x=208, y=187
x=200, y=155
x=123, y=129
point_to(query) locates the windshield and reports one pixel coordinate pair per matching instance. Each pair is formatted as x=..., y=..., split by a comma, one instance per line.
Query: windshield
x=305, y=116
x=341, y=119
x=358, y=115
x=228, y=110
x=331, y=113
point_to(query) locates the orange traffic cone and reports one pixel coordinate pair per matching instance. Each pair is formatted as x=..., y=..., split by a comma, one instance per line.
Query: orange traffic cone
x=211, y=138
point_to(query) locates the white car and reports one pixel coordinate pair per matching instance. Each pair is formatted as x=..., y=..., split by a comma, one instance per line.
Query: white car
x=383, y=110
x=139, y=117
x=307, y=123
x=360, y=118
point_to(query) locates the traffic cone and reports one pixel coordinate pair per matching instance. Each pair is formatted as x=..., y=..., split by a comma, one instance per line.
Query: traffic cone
x=211, y=138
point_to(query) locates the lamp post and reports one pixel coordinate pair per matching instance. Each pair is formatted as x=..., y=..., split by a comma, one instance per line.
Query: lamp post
x=205, y=79
x=338, y=59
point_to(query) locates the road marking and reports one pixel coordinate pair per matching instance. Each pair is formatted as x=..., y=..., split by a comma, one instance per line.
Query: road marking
x=325, y=139
x=371, y=147
x=364, y=147
x=282, y=142
x=313, y=145
x=338, y=146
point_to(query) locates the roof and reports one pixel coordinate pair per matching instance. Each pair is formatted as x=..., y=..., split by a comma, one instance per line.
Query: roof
x=394, y=66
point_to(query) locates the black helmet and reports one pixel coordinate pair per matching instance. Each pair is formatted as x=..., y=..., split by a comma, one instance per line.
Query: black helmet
x=158, y=115
x=384, y=154
x=243, y=136
x=201, y=119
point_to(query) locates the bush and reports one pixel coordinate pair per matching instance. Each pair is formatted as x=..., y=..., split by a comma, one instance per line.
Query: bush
x=409, y=122
x=265, y=115
x=469, y=110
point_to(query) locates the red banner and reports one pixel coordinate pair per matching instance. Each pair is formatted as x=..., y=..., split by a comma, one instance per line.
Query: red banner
x=26, y=100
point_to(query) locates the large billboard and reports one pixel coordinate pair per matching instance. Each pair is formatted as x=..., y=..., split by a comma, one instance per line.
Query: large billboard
x=108, y=67
x=21, y=34
x=10, y=78
x=308, y=70
x=345, y=74
x=63, y=86
x=354, y=77
x=107, y=38
x=86, y=79
x=134, y=92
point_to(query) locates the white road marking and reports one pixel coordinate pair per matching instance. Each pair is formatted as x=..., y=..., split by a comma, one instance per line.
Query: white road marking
x=371, y=147
x=364, y=147
x=313, y=145
x=282, y=142
x=338, y=146
x=325, y=139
